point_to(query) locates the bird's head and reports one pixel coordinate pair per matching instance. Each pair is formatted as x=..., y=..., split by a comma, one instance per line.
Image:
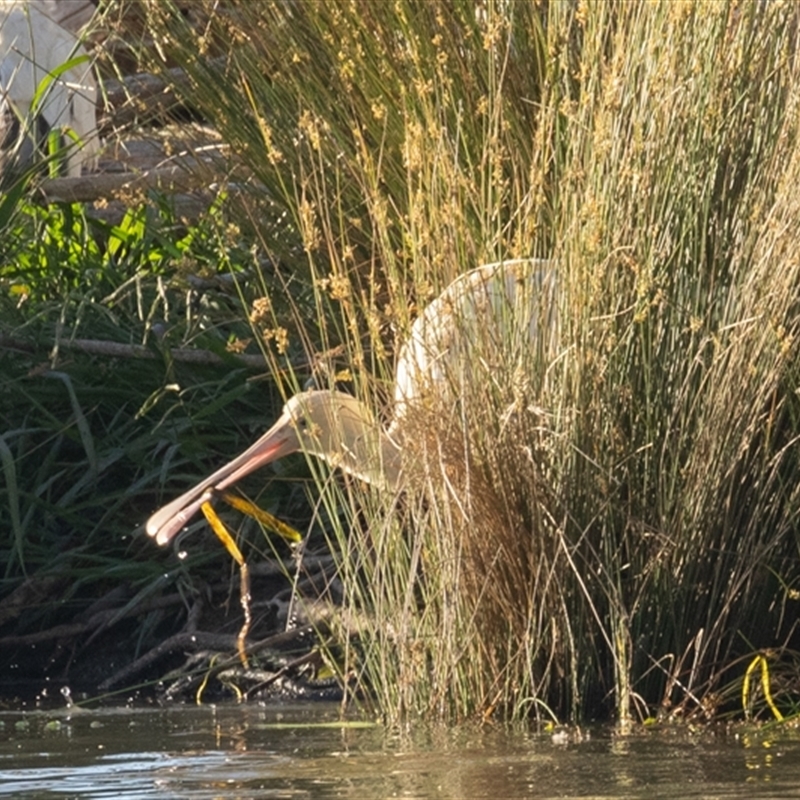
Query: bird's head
x=330, y=425
x=337, y=428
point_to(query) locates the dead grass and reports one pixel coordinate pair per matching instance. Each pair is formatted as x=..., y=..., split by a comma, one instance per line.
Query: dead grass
x=604, y=526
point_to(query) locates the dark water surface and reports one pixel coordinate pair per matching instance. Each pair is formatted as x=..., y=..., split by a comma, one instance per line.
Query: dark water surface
x=247, y=751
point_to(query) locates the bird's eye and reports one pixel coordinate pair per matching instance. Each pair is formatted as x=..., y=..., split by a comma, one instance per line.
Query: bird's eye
x=302, y=423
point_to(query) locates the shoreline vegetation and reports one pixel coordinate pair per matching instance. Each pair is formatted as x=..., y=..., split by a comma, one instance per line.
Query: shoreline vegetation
x=605, y=528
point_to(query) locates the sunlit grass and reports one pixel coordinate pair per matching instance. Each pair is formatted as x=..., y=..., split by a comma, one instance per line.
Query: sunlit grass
x=618, y=526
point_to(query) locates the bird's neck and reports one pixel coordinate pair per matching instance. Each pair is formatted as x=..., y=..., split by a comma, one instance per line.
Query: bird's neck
x=374, y=458
x=360, y=447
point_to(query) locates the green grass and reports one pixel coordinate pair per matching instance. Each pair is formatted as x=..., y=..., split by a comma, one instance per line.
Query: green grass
x=92, y=443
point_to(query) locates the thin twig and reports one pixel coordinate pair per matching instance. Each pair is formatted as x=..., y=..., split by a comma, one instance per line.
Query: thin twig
x=122, y=350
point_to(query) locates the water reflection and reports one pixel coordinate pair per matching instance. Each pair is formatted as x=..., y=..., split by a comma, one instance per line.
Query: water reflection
x=290, y=752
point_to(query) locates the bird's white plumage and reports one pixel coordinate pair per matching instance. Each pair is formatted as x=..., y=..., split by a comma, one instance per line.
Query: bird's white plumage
x=503, y=307
x=33, y=47
x=499, y=306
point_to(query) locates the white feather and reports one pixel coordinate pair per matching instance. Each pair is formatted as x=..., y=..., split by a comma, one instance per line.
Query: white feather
x=498, y=306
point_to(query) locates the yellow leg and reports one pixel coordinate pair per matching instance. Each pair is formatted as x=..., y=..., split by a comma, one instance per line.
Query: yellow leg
x=266, y=519
x=759, y=661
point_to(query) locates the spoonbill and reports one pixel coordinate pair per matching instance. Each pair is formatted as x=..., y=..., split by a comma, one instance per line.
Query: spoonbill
x=505, y=300
x=37, y=93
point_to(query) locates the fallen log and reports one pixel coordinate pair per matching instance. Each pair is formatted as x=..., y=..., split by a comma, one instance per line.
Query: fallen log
x=144, y=96
x=139, y=96
x=188, y=173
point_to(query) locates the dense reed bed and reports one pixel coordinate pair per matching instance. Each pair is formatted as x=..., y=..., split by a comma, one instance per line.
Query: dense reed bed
x=607, y=524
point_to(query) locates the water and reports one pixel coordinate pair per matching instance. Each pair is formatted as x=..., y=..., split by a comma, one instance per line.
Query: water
x=248, y=751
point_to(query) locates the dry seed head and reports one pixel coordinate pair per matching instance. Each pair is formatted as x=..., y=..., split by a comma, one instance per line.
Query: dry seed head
x=425, y=289
x=313, y=127
x=680, y=10
x=278, y=335
x=568, y=108
x=412, y=149
x=378, y=209
x=130, y=196
x=340, y=287
x=262, y=308
x=581, y=13
x=237, y=345
x=274, y=156
x=785, y=340
x=424, y=88
x=355, y=222
x=344, y=376
x=493, y=33
x=232, y=233
x=308, y=225
x=378, y=109
x=347, y=68
x=498, y=160
x=337, y=286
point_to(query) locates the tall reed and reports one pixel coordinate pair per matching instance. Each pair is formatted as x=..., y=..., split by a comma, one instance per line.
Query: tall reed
x=606, y=525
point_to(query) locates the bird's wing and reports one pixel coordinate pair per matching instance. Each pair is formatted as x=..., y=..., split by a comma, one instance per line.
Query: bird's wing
x=496, y=307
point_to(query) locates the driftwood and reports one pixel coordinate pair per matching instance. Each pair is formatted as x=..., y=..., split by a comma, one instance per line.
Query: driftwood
x=91, y=187
x=183, y=354
x=195, y=640
x=137, y=96
x=188, y=172
x=145, y=96
x=185, y=207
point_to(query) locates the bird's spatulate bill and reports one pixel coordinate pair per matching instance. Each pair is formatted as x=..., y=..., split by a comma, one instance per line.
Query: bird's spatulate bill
x=278, y=441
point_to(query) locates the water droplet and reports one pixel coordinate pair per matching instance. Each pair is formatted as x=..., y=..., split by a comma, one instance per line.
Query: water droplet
x=66, y=693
